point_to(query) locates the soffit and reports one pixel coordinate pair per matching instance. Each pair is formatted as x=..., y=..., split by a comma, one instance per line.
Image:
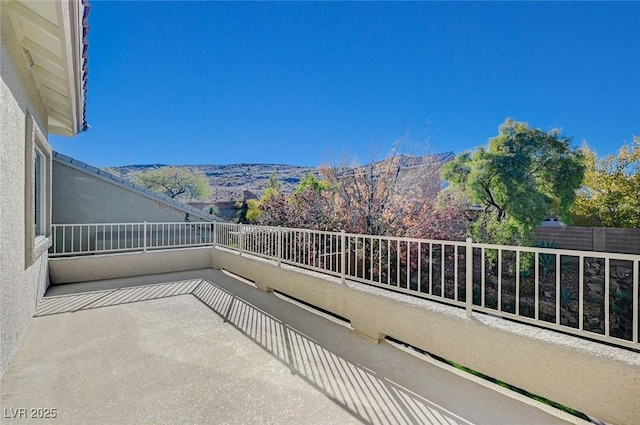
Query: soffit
x=53, y=38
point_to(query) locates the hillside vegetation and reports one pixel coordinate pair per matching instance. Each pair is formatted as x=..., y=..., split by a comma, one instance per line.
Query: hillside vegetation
x=228, y=182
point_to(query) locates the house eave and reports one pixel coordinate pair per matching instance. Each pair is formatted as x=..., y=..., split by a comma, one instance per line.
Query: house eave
x=53, y=39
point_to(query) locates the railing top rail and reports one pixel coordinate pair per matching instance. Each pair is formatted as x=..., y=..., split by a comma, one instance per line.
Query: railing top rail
x=559, y=251
x=357, y=235
x=139, y=223
x=294, y=229
x=408, y=239
x=360, y=235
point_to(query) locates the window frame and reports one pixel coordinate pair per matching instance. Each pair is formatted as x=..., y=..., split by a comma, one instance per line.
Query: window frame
x=37, y=191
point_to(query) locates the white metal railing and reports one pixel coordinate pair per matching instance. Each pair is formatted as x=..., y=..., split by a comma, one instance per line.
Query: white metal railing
x=592, y=294
x=78, y=239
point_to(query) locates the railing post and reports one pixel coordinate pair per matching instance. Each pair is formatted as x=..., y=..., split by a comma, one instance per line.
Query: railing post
x=343, y=255
x=144, y=243
x=213, y=233
x=52, y=248
x=279, y=246
x=469, y=277
x=240, y=242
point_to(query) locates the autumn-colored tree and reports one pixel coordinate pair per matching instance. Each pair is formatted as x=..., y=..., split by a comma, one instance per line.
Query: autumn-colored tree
x=395, y=197
x=376, y=198
x=309, y=207
x=444, y=219
x=610, y=196
x=176, y=182
x=272, y=209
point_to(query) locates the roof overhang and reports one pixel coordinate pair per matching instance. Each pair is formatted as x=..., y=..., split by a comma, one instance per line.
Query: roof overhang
x=52, y=35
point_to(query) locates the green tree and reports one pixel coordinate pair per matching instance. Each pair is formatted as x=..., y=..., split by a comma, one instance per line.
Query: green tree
x=310, y=181
x=274, y=182
x=242, y=208
x=610, y=196
x=253, y=206
x=523, y=175
x=176, y=182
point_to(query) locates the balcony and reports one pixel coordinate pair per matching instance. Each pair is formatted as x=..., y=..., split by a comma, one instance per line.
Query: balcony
x=170, y=323
x=212, y=349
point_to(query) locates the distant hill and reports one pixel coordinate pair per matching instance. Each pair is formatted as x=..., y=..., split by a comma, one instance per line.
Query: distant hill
x=228, y=182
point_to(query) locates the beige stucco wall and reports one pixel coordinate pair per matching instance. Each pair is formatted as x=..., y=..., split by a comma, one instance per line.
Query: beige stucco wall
x=20, y=286
x=98, y=267
x=79, y=197
x=594, y=378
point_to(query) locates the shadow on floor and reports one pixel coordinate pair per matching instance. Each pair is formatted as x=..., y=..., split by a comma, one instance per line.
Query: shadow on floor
x=360, y=391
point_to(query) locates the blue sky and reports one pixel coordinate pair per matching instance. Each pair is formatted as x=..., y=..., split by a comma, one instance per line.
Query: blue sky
x=207, y=82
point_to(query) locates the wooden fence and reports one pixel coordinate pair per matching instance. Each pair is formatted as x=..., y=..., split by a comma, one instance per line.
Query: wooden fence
x=601, y=239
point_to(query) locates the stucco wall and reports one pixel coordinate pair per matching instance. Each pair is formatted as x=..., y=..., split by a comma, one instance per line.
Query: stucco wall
x=79, y=197
x=594, y=378
x=20, y=286
x=98, y=267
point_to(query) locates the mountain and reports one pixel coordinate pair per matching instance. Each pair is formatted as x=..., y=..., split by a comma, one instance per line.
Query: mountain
x=229, y=182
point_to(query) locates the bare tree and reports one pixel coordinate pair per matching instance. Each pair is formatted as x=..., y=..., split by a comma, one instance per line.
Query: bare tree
x=377, y=197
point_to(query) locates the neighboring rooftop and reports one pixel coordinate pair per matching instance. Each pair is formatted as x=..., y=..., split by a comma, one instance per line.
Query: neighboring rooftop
x=96, y=172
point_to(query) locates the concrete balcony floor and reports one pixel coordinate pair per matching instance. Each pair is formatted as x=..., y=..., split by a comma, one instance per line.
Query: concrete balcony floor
x=202, y=347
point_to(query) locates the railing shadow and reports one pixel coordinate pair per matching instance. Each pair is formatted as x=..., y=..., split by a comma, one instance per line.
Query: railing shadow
x=364, y=394
x=89, y=300
x=367, y=396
